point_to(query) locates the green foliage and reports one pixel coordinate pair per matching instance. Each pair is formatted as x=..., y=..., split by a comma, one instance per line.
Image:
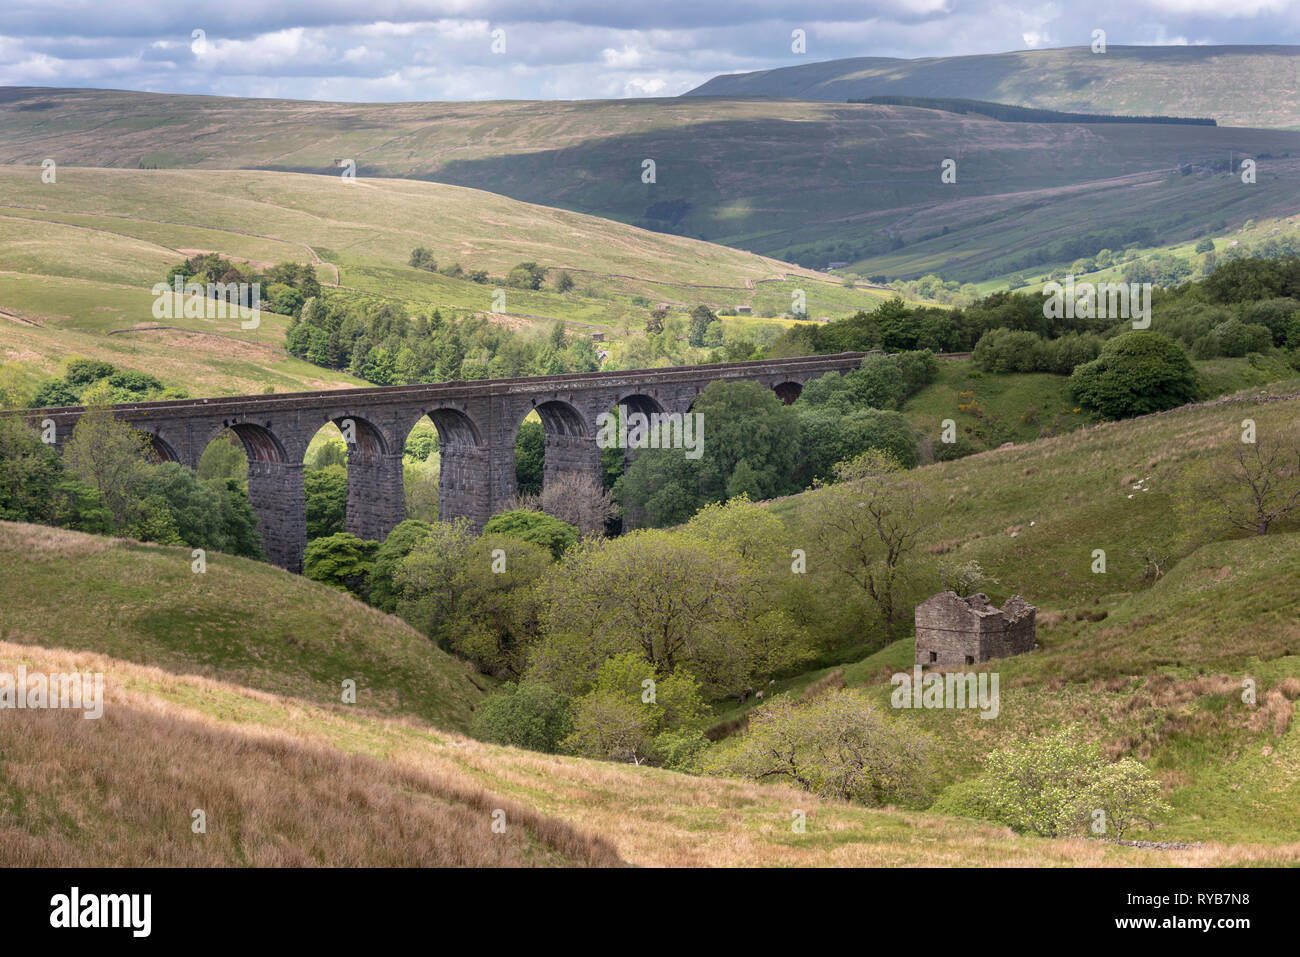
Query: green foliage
x=527, y=275
x=1137, y=372
x=525, y=715
x=34, y=486
x=530, y=458
x=93, y=382
x=629, y=706
x=1053, y=786
x=870, y=523
x=677, y=600
x=326, y=494
x=838, y=745
x=401, y=541
x=422, y=258
x=475, y=595
x=224, y=458
x=536, y=527
x=342, y=561
x=702, y=318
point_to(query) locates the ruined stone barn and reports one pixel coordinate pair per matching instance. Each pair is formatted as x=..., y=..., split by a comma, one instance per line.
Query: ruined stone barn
x=953, y=631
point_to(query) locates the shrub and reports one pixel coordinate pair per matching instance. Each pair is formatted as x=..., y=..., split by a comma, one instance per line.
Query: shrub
x=342, y=561
x=529, y=715
x=1059, y=785
x=536, y=527
x=1137, y=372
x=838, y=745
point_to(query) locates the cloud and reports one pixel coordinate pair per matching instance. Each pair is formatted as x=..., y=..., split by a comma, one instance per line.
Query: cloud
x=442, y=49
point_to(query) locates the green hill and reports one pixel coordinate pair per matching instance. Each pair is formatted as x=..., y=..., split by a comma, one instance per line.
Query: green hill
x=1236, y=85
x=79, y=257
x=807, y=182
x=241, y=621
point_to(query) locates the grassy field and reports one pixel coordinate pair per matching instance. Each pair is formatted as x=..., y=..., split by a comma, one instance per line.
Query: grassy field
x=285, y=782
x=241, y=620
x=784, y=178
x=1238, y=85
x=78, y=259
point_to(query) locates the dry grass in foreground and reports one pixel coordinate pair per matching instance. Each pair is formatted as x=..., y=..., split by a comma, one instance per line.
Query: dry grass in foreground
x=284, y=782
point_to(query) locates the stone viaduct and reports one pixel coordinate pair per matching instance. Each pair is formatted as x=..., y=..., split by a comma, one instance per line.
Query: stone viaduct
x=476, y=422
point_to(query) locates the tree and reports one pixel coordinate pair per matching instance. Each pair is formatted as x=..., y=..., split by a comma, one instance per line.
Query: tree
x=525, y=715
x=675, y=600
x=577, y=499
x=536, y=527
x=1053, y=785
x=701, y=317
x=563, y=282
x=1245, y=486
x=838, y=745
x=1137, y=372
x=342, y=561
x=14, y=393
x=224, y=458
x=427, y=578
x=110, y=456
x=629, y=706
x=401, y=541
x=530, y=457
x=527, y=275
x=326, y=493
x=34, y=486
x=868, y=524
x=499, y=612
x=422, y=258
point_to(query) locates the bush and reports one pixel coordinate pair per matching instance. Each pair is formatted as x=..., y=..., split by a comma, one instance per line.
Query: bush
x=536, y=527
x=326, y=494
x=838, y=745
x=401, y=541
x=1059, y=785
x=342, y=561
x=1137, y=372
x=529, y=715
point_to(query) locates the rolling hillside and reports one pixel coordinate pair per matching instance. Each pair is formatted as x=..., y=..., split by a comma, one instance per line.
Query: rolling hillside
x=1148, y=668
x=79, y=257
x=802, y=181
x=1236, y=85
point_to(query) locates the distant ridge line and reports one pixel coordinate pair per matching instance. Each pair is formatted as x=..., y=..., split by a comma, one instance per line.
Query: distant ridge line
x=1011, y=113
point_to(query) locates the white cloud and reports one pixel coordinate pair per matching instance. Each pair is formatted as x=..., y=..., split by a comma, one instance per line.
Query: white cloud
x=627, y=58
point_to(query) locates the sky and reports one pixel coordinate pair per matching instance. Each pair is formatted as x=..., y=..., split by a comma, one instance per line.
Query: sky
x=389, y=50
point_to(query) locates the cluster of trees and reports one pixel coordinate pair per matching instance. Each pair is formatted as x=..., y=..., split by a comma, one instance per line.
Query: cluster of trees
x=755, y=446
x=107, y=483
x=94, y=382
x=376, y=341
x=526, y=275
x=1009, y=350
x=612, y=646
x=284, y=288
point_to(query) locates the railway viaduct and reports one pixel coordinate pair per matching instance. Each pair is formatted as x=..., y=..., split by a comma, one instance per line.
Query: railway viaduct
x=476, y=421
